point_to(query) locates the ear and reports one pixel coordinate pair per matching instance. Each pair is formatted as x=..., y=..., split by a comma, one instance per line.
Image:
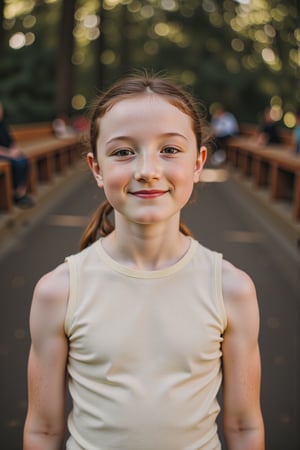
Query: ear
x=95, y=169
x=200, y=161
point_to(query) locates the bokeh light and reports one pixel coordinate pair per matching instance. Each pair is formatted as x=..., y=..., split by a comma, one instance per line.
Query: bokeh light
x=17, y=41
x=289, y=119
x=78, y=102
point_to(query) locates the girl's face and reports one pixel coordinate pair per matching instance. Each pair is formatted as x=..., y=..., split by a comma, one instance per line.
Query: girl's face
x=147, y=159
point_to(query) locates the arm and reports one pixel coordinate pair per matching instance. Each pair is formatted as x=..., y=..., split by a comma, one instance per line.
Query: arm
x=45, y=424
x=4, y=151
x=11, y=152
x=243, y=423
x=261, y=138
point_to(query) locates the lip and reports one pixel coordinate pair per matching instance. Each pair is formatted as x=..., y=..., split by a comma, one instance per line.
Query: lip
x=147, y=193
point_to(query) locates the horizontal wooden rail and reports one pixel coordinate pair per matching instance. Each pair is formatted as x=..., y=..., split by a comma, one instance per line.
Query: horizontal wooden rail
x=273, y=167
x=30, y=132
x=285, y=134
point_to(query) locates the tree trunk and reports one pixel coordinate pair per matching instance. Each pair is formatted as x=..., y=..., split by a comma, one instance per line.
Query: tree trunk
x=100, y=45
x=2, y=32
x=125, y=43
x=64, y=87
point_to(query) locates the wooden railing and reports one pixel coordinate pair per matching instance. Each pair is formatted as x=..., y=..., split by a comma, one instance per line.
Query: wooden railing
x=32, y=132
x=48, y=157
x=285, y=134
x=273, y=167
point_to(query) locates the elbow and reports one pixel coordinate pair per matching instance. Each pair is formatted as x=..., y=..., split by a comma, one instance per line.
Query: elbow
x=35, y=438
x=249, y=436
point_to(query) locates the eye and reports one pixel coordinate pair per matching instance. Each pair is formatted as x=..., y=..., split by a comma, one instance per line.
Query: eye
x=123, y=152
x=170, y=150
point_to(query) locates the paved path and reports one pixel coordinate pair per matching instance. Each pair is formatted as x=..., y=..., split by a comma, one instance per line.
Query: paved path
x=221, y=218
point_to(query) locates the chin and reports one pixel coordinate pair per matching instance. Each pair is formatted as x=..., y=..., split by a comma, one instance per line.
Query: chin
x=149, y=219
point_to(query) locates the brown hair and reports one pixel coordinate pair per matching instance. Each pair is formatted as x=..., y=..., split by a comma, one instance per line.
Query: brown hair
x=100, y=224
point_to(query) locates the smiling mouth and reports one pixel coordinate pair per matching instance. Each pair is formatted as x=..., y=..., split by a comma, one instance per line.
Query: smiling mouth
x=148, y=193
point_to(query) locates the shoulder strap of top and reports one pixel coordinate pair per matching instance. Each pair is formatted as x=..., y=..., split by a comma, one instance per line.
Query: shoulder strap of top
x=72, y=300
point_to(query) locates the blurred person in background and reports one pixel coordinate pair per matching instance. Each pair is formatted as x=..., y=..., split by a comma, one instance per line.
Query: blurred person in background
x=20, y=167
x=224, y=126
x=62, y=128
x=269, y=130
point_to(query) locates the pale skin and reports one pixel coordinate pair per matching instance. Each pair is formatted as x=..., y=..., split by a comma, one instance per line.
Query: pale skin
x=147, y=162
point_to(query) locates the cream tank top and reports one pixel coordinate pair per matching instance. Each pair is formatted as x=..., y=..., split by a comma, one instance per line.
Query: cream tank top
x=144, y=362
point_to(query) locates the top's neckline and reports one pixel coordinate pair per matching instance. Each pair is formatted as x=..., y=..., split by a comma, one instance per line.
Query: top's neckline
x=136, y=273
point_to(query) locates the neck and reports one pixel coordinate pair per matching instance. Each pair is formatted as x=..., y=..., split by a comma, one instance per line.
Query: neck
x=147, y=247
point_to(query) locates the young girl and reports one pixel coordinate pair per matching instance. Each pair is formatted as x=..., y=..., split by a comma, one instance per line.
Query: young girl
x=147, y=321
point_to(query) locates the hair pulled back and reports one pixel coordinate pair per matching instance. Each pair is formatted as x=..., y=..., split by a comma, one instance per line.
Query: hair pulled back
x=130, y=86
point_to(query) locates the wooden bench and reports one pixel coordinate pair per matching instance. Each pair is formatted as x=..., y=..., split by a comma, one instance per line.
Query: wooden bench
x=273, y=167
x=31, y=132
x=6, y=189
x=48, y=157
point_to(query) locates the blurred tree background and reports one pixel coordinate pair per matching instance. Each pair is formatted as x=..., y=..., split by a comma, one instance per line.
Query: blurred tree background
x=55, y=55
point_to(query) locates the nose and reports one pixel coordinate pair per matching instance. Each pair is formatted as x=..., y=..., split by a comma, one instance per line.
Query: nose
x=147, y=167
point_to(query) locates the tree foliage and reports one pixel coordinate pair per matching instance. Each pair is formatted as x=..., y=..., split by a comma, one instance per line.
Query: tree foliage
x=243, y=53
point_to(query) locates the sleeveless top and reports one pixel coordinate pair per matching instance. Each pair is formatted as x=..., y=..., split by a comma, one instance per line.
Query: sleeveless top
x=144, y=362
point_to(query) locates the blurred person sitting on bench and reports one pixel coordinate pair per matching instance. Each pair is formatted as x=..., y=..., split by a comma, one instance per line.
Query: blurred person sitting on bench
x=268, y=132
x=10, y=152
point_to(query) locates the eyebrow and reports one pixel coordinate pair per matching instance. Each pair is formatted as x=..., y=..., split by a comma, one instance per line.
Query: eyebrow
x=129, y=138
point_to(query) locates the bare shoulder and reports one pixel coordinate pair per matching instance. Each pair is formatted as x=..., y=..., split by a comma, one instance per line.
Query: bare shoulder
x=239, y=294
x=236, y=283
x=54, y=284
x=50, y=298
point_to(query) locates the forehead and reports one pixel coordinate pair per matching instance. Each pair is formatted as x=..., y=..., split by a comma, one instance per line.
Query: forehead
x=144, y=110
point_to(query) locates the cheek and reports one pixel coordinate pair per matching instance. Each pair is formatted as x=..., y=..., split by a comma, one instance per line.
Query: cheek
x=114, y=181
x=183, y=184
x=184, y=175
x=113, y=174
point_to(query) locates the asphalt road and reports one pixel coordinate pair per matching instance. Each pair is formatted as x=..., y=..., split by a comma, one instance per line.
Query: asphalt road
x=222, y=218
